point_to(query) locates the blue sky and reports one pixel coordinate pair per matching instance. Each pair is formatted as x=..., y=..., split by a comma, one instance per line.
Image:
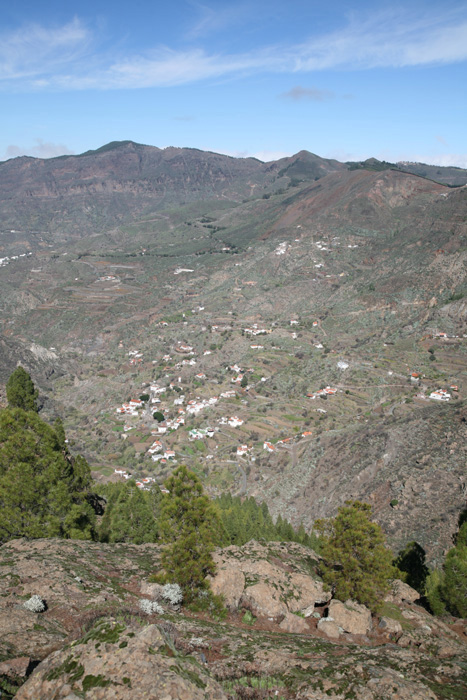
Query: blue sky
x=263, y=78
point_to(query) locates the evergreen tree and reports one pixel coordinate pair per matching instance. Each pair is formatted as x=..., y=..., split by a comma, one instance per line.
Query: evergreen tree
x=130, y=514
x=411, y=560
x=44, y=491
x=355, y=561
x=454, y=590
x=247, y=520
x=446, y=590
x=191, y=529
x=20, y=390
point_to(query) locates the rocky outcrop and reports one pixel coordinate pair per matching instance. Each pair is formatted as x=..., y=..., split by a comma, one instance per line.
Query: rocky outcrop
x=294, y=623
x=270, y=584
x=229, y=582
x=329, y=627
x=95, y=642
x=401, y=592
x=350, y=616
x=263, y=600
x=390, y=626
x=117, y=663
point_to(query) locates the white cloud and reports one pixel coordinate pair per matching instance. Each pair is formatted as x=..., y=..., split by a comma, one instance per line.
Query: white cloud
x=265, y=156
x=34, y=50
x=41, y=149
x=458, y=160
x=67, y=57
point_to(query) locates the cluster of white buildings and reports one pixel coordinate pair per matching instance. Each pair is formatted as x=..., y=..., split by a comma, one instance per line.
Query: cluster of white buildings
x=327, y=391
x=281, y=248
x=7, y=260
x=196, y=405
x=440, y=395
x=233, y=421
x=256, y=330
x=199, y=433
x=131, y=408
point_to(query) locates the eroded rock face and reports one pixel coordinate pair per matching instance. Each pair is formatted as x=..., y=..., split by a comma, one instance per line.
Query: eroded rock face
x=263, y=600
x=401, y=592
x=350, y=616
x=390, y=626
x=294, y=623
x=229, y=582
x=329, y=627
x=118, y=664
x=296, y=590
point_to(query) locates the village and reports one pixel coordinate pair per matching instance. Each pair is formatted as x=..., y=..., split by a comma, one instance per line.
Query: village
x=188, y=419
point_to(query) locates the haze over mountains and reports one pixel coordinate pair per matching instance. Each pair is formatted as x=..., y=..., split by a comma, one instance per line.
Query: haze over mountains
x=134, y=249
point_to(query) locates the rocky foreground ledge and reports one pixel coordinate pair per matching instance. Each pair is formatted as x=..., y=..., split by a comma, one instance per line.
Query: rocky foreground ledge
x=284, y=636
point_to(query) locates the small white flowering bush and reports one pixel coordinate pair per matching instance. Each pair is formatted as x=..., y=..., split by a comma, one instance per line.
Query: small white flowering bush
x=172, y=593
x=35, y=604
x=150, y=606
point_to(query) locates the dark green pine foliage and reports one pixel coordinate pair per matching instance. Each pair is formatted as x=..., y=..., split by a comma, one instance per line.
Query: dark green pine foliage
x=246, y=520
x=454, y=590
x=130, y=514
x=411, y=561
x=20, y=391
x=356, y=562
x=191, y=528
x=446, y=589
x=44, y=491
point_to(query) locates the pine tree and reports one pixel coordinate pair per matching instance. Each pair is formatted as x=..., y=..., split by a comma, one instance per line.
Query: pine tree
x=446, y=590
x=44, y=491
x=130, y=514
x=20, y=390
x=454, y=589
x=356, y=562
x=191, y=529
x=411, y=560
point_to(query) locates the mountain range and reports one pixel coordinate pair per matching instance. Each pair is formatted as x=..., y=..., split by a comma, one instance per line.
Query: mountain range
x=305, y=273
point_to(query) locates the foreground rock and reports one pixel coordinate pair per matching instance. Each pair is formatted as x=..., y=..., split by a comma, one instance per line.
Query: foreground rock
x=350, y=616
x=269, y=584
x=94, y=641
x=115, y=663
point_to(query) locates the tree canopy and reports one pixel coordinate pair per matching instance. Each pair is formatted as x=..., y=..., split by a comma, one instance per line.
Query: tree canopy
x=191, y=528
x=130, y=514
x=20, y=390
x=447, y=588
x=44, y=491
x=355, y=561
x=245, y=520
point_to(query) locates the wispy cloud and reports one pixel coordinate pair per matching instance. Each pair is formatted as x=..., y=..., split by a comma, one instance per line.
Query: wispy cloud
x=68, y=58
x=299, y=93
x=40, y=149
x=34, y=50
x=213, y=20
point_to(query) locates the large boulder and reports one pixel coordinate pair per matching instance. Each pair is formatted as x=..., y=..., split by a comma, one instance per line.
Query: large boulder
x=390, y=626
x=305, y=593
x=229, y=582
x=350, y=616
x=263, y=600
x=329, y=627
x=113, y=663
x=294, y=623
x=401, y=592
